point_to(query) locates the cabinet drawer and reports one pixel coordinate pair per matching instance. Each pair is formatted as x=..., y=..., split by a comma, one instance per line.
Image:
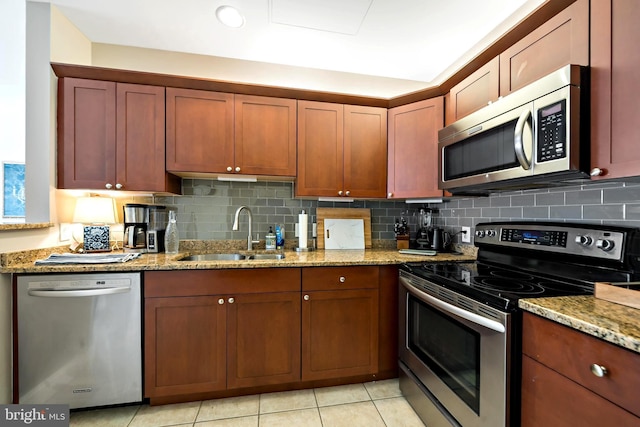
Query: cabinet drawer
x=571, y=353
x=220, y=282
x=335, y=278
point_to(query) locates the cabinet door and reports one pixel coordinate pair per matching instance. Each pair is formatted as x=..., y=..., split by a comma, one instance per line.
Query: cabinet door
x=365, y=151
x=86, y=133
x=550, y=399
x=263, y=344
x=140, y=148
x=199, y=131
x=320, y=149
x=413, y=149
x=185, y=345
x=474, y=92
x=615, y=60
x=265, y=136
x=339, y=333
x=562, y=40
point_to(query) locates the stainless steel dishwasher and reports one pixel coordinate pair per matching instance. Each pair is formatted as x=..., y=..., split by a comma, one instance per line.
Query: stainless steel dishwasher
x=79, y=339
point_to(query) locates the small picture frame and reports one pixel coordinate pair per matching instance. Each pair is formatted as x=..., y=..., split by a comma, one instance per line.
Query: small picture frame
x=13, y=192
x=96, y=238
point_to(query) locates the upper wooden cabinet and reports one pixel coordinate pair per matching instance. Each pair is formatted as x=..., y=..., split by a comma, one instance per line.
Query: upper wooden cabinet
x=474, y=92
x=111, y=136
x=413, y=149
x=562, y=40
x=342, y=150
x=212, y=132
x=615, y=61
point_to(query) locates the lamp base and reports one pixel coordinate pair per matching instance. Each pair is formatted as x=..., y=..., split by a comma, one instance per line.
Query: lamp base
x=96, y=238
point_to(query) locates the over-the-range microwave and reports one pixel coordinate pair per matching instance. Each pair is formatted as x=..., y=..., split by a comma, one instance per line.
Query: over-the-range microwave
x=534, y=137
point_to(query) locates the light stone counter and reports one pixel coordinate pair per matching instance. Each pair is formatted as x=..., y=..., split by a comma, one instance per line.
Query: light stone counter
x=24, y=262
x=615, y=323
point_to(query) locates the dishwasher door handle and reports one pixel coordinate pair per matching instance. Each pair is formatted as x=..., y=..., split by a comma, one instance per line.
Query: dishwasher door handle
x=78, y=293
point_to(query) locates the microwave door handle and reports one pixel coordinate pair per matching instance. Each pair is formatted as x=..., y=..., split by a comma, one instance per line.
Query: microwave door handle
x=518, y=140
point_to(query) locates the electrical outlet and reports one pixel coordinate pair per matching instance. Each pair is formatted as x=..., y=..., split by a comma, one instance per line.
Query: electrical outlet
x=466, y=235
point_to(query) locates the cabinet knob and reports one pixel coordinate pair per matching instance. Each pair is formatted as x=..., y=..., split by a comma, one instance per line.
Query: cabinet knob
x=598, y=370
x=237, y=168
x=306, y=297
x=597, y=172
x=221, y=301
x=119, y=186
x=231, y=300
x=229, y=169
x=340, y=193
x=389, y=194
x=108, y=186
x=348, y=192
x=342, y=279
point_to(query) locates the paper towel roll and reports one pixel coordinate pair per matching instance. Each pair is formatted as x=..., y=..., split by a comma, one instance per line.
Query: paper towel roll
x=303, y=225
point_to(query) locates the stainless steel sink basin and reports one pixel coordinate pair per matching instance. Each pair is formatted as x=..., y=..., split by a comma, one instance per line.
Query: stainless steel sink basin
x=214, y=257
x=266, y=256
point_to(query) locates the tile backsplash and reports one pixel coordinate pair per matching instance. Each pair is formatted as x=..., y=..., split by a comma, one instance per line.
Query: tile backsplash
x=206, y=207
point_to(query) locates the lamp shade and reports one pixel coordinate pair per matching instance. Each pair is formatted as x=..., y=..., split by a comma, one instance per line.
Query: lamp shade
x=95, y=210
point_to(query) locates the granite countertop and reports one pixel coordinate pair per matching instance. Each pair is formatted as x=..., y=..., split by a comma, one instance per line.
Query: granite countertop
x=24, y=262
x=615, y=323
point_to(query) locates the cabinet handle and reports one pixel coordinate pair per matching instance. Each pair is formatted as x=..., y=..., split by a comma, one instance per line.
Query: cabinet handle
x=306, y=297
x=119, y=186
x=348, y=192
x=237, y=168
x=598, y=370
x=231, y=300
x=597, y=172
x=221, y=301
x=108, y=186
x=340, y=193
x=229, y=169
x=342, y=279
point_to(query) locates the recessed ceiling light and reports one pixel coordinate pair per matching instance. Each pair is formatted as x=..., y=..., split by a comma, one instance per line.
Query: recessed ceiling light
x=230, y=16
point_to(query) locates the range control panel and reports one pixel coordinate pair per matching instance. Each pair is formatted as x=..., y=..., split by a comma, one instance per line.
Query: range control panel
x=593, y=242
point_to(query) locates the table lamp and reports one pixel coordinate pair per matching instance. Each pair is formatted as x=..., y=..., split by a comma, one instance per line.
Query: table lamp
x=95, y=213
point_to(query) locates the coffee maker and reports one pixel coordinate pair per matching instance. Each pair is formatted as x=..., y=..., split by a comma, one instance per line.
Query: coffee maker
x=144, y=227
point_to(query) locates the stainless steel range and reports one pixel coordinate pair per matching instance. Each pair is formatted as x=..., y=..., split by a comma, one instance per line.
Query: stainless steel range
x=460, y=327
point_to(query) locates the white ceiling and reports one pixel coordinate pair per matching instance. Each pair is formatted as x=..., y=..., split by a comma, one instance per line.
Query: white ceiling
x=419, y=40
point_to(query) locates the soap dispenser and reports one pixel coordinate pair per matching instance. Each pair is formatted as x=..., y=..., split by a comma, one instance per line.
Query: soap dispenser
x=270, y=239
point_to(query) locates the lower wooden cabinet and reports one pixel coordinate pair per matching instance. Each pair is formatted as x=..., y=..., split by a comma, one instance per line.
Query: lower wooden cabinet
x=558, y=386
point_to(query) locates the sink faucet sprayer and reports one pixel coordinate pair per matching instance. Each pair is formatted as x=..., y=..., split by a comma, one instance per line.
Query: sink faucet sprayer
x=235, y=227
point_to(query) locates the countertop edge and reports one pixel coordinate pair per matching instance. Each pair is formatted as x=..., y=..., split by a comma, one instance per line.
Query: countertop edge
x=611, y=322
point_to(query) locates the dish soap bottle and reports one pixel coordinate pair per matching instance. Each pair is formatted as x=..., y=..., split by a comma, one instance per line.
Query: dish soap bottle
x=270, y=239
x=171, y=239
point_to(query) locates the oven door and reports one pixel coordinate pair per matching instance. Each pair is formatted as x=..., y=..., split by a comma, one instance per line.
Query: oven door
x=461, y=357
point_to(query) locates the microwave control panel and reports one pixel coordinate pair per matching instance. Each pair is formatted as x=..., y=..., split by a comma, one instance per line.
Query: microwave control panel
x=552, y=133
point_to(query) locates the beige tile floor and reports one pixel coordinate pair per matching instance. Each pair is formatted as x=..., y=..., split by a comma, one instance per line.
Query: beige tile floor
x=370, y=404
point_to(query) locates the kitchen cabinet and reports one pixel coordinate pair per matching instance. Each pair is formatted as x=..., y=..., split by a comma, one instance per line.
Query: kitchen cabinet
x=223, y=133
x=413, y=149
x=559, y=387
x=615, y=88
x=474, y=92
x=342, y=150
x=562, y=40
x=339, y=322
x=214, y=330
x=111, y=136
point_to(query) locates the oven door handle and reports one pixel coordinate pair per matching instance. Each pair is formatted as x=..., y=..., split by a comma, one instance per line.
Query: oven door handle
x=452, y=309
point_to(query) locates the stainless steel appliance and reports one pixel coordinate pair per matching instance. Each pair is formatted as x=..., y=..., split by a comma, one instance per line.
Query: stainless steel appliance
x=536, y=136
x=460, y=327
x=78, y=339
x=144, y=227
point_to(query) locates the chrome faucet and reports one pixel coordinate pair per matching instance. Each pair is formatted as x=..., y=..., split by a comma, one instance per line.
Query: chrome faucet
x=236, y=227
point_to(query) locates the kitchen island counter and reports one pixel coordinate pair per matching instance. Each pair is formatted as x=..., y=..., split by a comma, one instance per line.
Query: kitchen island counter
x=614, y=323
x=24, y=262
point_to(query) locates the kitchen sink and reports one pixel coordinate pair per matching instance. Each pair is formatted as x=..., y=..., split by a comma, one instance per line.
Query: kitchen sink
x=231, y=257
x=214, y=257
